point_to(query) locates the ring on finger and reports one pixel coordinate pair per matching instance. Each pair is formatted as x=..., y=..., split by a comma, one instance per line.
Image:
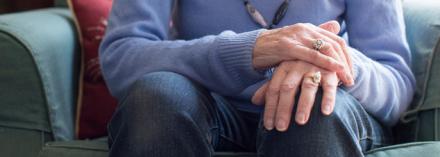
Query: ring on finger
x=316, y=77
x=318, y=44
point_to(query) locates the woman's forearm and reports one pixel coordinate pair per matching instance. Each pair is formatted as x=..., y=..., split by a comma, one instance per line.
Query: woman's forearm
x=136, y=43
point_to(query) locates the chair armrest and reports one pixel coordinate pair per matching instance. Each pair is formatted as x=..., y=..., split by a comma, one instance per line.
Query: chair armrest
x=423, y=31
x=39, y=67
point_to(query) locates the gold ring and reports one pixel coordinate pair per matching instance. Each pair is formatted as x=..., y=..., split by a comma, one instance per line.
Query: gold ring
x=316, y=77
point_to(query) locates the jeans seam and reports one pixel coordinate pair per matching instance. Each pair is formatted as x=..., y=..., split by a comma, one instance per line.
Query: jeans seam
x=374, y=143
x=215, y=138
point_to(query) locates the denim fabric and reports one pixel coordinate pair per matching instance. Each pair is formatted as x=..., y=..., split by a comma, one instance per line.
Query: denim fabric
x=166, y=115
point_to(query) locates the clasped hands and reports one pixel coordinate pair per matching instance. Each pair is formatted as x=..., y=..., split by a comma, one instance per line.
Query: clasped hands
x=291, y=51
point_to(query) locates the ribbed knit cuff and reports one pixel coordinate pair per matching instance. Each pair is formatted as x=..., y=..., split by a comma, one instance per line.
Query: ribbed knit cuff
x=235, y=52
x=356, y=58
x=356, y=61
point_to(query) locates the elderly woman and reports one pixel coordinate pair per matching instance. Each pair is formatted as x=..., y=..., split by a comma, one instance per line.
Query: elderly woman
x=275, y=77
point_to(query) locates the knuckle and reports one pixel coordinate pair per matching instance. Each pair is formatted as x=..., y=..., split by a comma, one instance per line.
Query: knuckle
x=283, y=65
x=313, y=53
x=328, y=85
x=309, y=85
x=285, y=41
x=287, y=87
x=337, y=47
x=272, y=90
x=299, y=26
x=340, y=41
x=326, y=49
x=308, y=25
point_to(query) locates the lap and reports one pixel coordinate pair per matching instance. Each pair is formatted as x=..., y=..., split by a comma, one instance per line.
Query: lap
x=160, y=94
x=163, y=95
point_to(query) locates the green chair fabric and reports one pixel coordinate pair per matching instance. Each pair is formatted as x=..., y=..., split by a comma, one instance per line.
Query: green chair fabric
x=423, y=29
x=39, y=71
x=99, y=149
x=61, y=3
x=416, y=149
x=23, y=83
x=422, y=122
x=18, y=142
x=424, y=119
x=39, y=51
x=75, y=149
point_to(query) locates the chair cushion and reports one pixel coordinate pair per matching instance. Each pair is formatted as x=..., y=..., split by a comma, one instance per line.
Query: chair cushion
x=16, y=142
x=84, y=148
x=422, y=149
x=95, y=103
x=98, y=148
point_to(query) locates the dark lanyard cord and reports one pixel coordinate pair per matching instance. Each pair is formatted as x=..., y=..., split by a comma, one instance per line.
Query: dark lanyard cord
x=258, y=18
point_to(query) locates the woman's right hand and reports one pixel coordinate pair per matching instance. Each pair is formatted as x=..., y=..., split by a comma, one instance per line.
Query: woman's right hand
x=295, y=42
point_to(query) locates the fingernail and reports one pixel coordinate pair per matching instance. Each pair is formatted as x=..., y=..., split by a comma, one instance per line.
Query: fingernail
x=327, y=109
x=300, y=118
x=269, y=125
x=281, y=125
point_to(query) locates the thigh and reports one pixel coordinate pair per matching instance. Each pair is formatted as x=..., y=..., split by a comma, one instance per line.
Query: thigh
x=162, y=105
x=237, y=129
x=166, y=109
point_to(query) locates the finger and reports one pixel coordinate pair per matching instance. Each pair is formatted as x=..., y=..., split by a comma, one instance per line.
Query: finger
x=258, y=98
x=327, y=47
x=289, y=87
x=272, y=96
x=306, y=99
x=329, y=85
x=332, y=26
x=336, y=51
x=336, y=40
x=316, y=58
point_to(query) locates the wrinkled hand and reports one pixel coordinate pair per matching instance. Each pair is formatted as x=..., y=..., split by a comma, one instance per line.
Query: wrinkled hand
x=278, y=94
x=295, y=42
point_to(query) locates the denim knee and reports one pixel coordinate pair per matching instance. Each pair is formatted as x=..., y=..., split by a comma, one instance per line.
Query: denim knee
x=161, y=106
x=346, y=107
x=160, y=86
x=324, y=134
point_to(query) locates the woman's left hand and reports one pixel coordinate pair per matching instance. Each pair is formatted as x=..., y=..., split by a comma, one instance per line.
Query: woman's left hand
x=278, y=94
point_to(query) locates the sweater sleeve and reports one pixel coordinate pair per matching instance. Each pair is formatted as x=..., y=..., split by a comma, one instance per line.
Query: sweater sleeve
x=384, y=81
x=136, y=43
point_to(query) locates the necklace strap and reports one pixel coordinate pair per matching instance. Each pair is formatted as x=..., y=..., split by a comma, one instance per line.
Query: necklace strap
x=258, y=17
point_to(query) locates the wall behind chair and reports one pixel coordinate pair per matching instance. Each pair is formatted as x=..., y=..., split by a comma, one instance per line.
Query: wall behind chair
x=8, y=6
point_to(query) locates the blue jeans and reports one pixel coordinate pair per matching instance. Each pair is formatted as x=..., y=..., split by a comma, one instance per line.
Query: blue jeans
x=167, y=115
